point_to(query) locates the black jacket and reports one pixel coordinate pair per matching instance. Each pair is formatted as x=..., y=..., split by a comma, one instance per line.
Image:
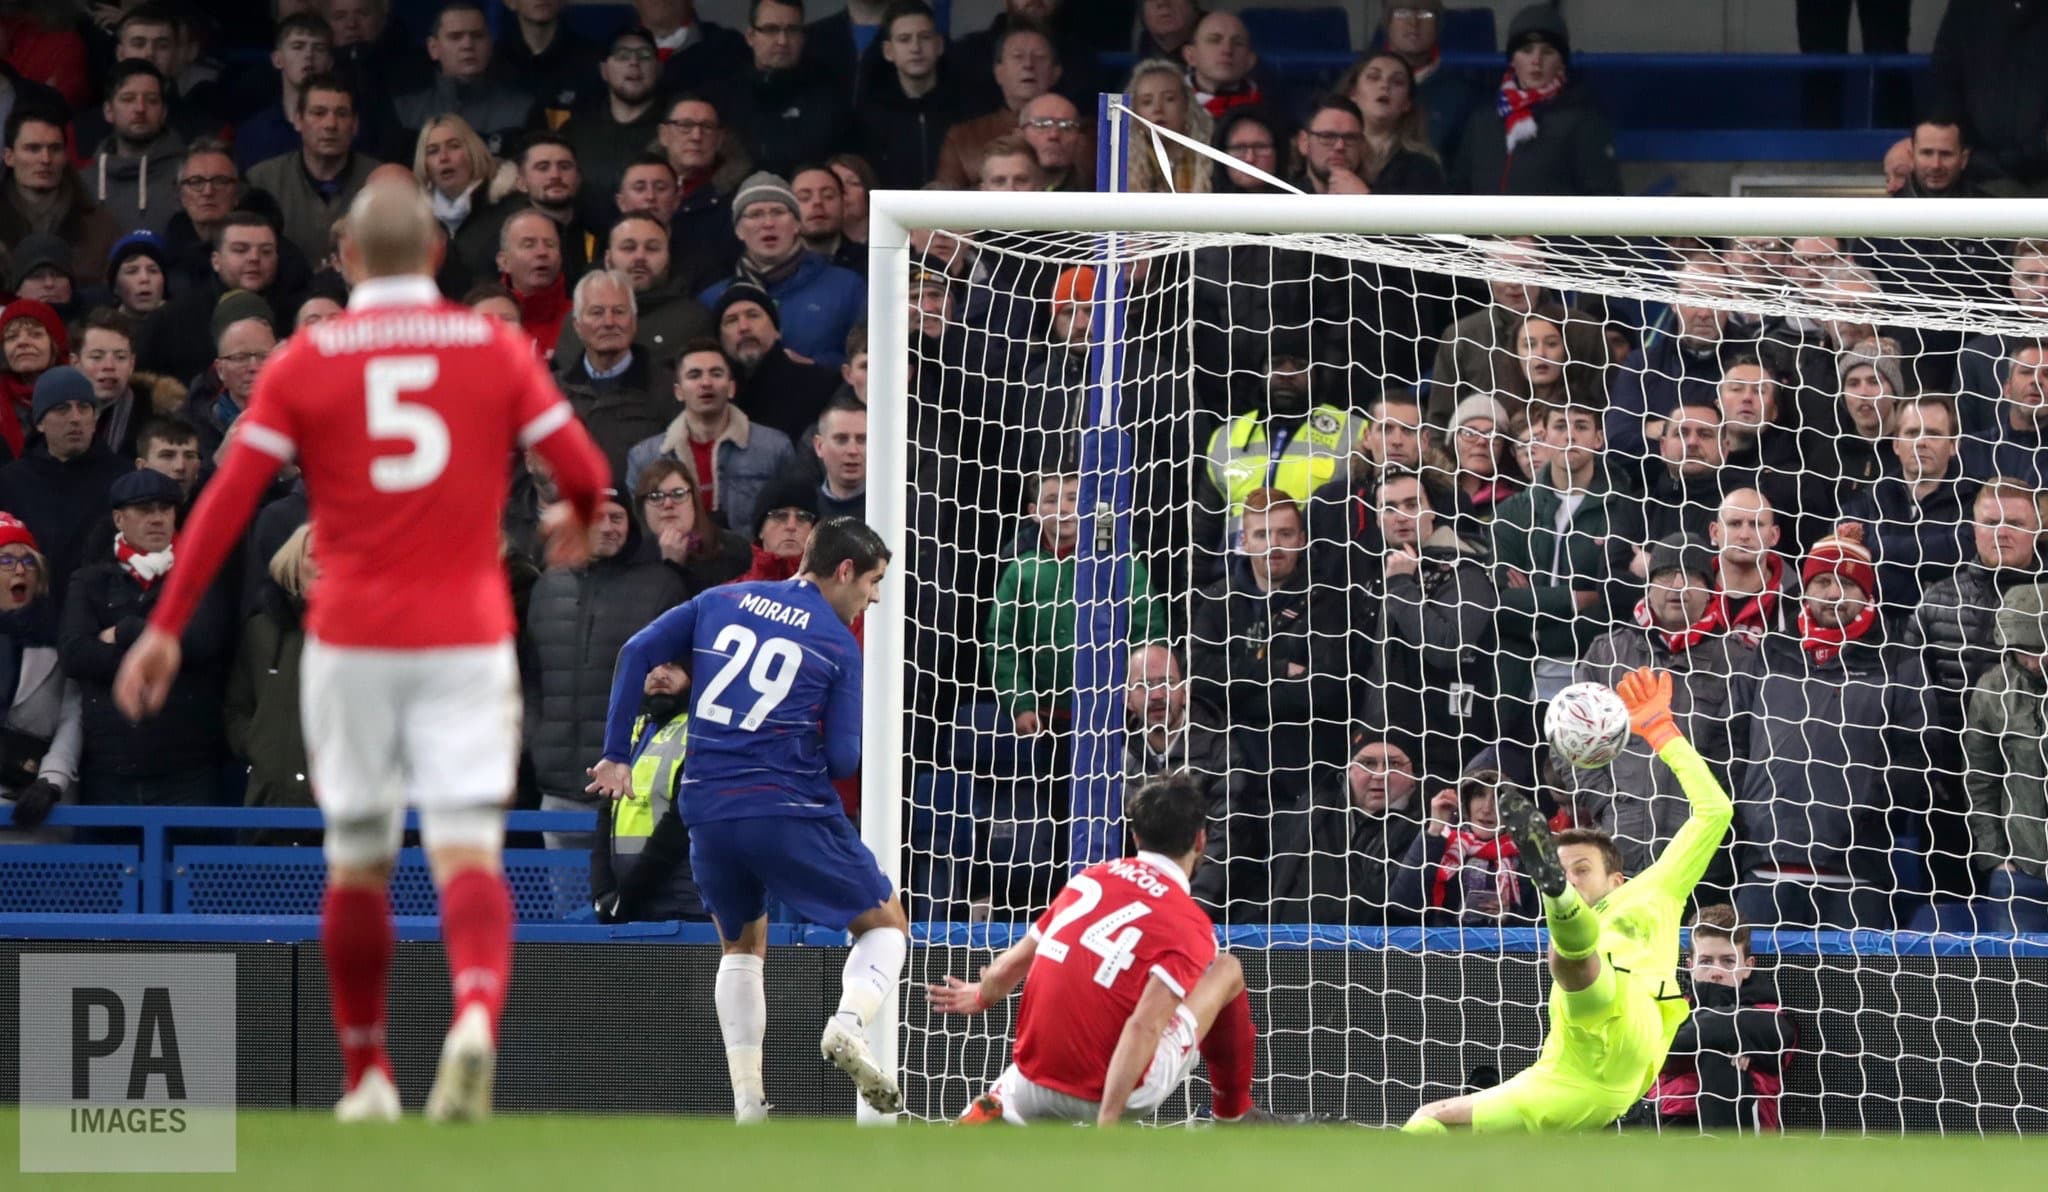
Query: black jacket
x=60, y=502
x=178, y=339
x=787, y=394
x=1954, y=628
x=1278, y=666
x=828, y=46
x=188, y=733
x=1687, y=504
x=786, y=119
x=1987, y=71
x=1827, y=754
x=900, y=136
x=1700, y=1082
x=1915, y=542
x=1429, y=644
x=1334, y=863
x=576, y=623
x=704, y=62
x=618, y=412
x=604, y=147
x=1233, y=874
x=1571, y=154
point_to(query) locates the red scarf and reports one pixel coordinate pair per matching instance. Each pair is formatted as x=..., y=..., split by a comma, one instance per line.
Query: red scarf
x=1711, y=622
x=1496, y=853
x=1753, y=618
x=541, y=313
x=1517, y=106
x=1822, y=645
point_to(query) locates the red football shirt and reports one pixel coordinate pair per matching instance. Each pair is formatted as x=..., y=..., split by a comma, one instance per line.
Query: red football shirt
x=1114, y=928
x=403, y=414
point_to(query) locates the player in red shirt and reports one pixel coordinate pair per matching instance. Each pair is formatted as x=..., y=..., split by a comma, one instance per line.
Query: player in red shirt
x=1125, y=985
x=403, y=414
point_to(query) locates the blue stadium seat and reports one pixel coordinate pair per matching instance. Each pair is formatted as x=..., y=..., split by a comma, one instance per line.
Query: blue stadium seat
x=1954, y=918
x=1284, y=30
x=547, y=884
x=70, y=879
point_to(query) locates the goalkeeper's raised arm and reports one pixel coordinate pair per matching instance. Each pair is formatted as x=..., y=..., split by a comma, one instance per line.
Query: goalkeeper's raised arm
x=1647, y=695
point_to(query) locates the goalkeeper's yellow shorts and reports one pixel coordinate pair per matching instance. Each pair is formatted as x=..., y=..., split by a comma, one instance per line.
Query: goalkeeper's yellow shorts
x=1606, y=1046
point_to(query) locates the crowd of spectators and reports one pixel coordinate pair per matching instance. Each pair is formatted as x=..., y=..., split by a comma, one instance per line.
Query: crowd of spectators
x=1383, y=515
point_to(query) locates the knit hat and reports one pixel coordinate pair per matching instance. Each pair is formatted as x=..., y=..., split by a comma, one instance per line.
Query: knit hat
x=2019, y=620
x=144, y=487
x=38, y=250
x=139, y=243
x=763, y=187
x=236, y=305
x=1842, y=554
x=59, y=386
x=790, y=492
x=14, y=533
x=1540, y=22
x=1682, y=552
x=743, y=291
x=1076, y=283
x=44, y=313
x=1887, y=367
x=1479, y=406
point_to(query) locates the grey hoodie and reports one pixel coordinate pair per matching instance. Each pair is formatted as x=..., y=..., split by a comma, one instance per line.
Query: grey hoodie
x=138, y=192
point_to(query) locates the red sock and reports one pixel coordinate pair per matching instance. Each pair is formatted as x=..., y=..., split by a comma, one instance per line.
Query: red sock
x=357, y=937
x=476, y=932
x=1229, y=1049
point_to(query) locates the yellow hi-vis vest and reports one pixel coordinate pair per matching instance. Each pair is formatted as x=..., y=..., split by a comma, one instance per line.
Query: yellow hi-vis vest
x=655, y=773
x=1242, y=460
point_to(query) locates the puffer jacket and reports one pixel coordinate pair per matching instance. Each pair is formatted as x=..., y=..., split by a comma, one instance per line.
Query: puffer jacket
x=1954, y=630
x=1431, y=674
x=138, y=192
x=1828, y=751
x=2005, y=746
x=1636, y=798
x=576, y=622
x=1333, y=863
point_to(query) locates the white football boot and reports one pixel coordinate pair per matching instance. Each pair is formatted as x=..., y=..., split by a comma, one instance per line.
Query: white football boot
x=469, y=1066
x=374, y=1099
x=849, y=1052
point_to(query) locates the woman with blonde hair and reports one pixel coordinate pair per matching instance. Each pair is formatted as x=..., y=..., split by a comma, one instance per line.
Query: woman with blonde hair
x=44, y=725
x=1399, y=159
x=262, y=703
x=1159, y=93
x=457, y=171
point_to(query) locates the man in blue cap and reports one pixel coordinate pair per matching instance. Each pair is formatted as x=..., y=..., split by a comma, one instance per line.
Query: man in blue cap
x=60, y=484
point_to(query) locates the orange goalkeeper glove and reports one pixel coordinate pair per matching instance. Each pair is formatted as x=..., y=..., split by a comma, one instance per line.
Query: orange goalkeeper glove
x=1647, y=695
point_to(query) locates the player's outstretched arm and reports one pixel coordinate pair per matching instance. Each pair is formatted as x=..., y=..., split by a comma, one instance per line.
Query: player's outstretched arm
x=1647, y=694
x=1135, y=1048
x=667, y=638
x=998, y=981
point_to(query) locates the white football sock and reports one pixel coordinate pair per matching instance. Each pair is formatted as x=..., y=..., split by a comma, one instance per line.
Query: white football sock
x=742, y=1021
x=874, y=969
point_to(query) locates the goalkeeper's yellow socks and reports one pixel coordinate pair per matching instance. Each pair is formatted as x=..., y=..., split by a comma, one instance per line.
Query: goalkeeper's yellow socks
x=1574, y=926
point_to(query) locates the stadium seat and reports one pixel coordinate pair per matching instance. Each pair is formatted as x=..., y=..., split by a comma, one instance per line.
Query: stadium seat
x=1955, y=918
x=1284, y=30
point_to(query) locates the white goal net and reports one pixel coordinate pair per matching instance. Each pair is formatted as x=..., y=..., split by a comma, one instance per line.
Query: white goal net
x=1324, y=515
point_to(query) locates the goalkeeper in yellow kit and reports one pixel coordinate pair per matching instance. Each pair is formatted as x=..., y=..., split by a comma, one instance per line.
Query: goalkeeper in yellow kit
x=1614, y=999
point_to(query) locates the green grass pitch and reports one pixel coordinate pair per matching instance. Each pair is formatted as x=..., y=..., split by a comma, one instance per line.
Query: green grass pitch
x=284, y=1151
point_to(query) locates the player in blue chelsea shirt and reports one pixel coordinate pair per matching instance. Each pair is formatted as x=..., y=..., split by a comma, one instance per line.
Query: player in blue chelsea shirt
x=775, y=717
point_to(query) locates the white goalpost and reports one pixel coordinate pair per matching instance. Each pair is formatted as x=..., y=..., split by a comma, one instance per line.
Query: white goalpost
x=1101, y=351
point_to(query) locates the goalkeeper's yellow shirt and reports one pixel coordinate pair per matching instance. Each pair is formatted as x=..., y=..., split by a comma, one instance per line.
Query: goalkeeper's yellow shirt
x=1639, y=934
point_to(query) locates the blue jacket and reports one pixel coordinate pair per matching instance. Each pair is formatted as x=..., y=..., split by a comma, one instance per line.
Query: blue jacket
x=1914, y=543
x=818, y=305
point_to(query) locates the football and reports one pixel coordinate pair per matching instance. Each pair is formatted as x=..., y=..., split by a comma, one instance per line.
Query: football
x=1587, y=725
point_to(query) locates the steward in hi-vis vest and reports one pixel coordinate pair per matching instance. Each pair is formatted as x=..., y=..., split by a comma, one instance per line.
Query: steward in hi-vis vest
x=640, y=862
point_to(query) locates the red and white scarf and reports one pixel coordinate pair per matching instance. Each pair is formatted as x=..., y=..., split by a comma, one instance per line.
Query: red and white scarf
x=1677, y=641
x=1495, y=854
x=1517, y=106
x=1824, y=645
x=1751, y=619
x=146, y=568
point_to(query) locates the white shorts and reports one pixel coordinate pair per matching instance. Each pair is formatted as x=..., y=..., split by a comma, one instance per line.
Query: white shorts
x=429, y=728
x=1025, y=1102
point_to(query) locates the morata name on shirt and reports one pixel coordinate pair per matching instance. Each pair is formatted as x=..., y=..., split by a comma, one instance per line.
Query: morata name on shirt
x=776, y=611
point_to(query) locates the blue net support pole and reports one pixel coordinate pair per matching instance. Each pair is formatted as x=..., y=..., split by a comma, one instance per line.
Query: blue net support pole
x=1102, y=581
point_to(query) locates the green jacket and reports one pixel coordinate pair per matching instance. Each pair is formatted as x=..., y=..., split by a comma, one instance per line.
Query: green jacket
x=2006, y=768
x=1544, y=619
x=1031, y=628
